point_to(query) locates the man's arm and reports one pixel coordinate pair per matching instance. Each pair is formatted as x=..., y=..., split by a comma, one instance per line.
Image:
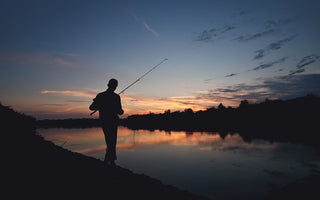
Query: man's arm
x=93, y=105
x=120, y=111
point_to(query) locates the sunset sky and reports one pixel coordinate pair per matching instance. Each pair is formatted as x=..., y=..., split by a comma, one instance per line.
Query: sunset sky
x=55, y=56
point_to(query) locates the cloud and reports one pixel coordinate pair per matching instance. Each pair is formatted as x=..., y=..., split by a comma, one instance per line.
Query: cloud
x=249, y=37
x=262, y=66
x=270, y=27
x=270, y=64
x=210, y=34
x=292, y=72
x=76, y=101
x=300, y=67
x=246, y=12
x=62, y=62
x=305, y=61
x=145, y=24
x=40, y=58
x=283, y=87
x=207, y=80
x=278, y=23
x=271, y=47
x=70, y=93
x=293, y=86
x=232, y=74
x=56, y=110
x=150, y=29
x=52, y=105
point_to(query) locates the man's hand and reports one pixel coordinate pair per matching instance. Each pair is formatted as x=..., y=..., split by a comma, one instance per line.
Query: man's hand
x=121, y=112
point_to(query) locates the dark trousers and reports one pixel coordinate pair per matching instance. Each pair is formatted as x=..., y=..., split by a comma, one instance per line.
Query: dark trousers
x=110, y=134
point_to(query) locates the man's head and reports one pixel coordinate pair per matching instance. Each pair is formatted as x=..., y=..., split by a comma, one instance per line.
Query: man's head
x=112, y=85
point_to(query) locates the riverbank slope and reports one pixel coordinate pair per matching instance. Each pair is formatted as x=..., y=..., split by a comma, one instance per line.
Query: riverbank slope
x=36, y=168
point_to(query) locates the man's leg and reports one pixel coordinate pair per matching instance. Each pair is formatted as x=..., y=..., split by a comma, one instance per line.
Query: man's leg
x=113, y=143
x=110, y=134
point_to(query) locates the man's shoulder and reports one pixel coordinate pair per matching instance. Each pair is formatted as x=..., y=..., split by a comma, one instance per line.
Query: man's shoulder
x=100, y=96
x=101, y=93
x=106, y=93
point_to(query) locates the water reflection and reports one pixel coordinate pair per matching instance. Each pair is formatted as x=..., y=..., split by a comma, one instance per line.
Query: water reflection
x=220, y=166
x=90, y=140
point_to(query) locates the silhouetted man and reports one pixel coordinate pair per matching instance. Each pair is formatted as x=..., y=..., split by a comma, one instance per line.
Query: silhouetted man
x=109, y=105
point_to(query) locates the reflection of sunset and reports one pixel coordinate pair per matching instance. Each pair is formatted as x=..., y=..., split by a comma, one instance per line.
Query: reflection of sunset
x=91, y=141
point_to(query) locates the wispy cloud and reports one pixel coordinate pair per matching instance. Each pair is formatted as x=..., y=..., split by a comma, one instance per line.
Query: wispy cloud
x=76, y=101
x=150, y=29
x=52, y=105
x=270, y=64
x=232, y=74
x=271, y=47
x=145, y=24
x=298, y=71
x=56, y=110
x=40, y=58
x=305, y=61
x=248, y=37
x=70, y=93
x=63, y=62
x=283, y=87
x=262, y=66
x=213, y=33
x=270, y=27
x=278, y=23
x=246, y=12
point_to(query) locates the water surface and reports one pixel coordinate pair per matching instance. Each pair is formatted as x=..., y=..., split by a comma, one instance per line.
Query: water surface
x=201, y=162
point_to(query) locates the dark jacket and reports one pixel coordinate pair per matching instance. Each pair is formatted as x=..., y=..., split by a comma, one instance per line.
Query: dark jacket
x=109, y=105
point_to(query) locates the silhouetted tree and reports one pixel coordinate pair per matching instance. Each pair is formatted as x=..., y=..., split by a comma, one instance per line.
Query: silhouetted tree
x=244, y=104
x=221, y=107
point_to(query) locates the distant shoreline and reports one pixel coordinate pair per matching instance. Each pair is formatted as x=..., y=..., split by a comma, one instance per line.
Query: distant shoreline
x=274, y=120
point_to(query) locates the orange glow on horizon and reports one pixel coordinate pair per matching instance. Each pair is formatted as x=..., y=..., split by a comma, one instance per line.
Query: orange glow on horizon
x=131, y=103
x=69, y=92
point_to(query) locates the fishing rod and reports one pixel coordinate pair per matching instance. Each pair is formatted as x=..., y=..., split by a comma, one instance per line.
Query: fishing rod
x=153, y=68
x=143, y=76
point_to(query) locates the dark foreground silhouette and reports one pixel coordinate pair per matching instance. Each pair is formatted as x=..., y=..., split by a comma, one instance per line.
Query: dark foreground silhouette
x=38, y=169
x=109, y=105
x=33, y=168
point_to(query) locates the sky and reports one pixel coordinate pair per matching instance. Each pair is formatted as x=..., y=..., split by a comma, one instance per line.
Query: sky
x=56, y=56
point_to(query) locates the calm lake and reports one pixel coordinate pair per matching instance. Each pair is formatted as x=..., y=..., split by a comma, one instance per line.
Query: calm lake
x=201, y=162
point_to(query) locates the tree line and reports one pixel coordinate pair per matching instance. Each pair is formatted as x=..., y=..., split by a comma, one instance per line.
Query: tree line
x=299, y=112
